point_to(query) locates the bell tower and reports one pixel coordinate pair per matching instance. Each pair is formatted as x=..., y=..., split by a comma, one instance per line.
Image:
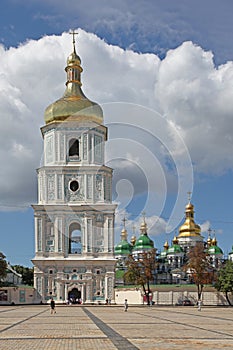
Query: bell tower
x=74, y=216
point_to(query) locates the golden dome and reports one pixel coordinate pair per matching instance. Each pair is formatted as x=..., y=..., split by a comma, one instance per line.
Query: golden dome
x=74, y=59
x=133, y=240
x=143, y=227
x=209, y=241
x=214, y=241
x=189, y=207
x=73, y=105
x=189, y=228
x=166, y=245
x=124, y=234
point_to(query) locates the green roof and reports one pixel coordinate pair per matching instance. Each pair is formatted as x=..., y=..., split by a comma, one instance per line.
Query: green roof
x=214, y=250
x=143, y=242
x=175, y=248
x=123, y=248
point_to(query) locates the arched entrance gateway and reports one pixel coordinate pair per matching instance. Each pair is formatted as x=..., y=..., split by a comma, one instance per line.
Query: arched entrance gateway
x=74, y=296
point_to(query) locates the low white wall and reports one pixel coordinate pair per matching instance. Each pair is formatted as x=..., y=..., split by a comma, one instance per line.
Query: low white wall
x=18, y=295
x=22, y=295
x=135, y=297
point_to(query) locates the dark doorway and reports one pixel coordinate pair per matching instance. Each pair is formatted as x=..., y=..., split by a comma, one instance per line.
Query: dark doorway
x=74, y=296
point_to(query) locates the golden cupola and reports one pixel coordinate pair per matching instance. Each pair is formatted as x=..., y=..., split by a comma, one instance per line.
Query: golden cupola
x=133, y=240
x=166, y=245
x=189, y=227
x=73, y=105
x=209, y=241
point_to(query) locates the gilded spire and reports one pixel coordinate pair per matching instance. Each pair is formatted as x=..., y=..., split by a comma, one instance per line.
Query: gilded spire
x=214, y=240
x=74, y=105
x=143, y=227
x=189, y=228
x=73, y=33
x=124, y=233
x=133, y=240
x=209, y=240
x=73, y=71
x=175, y=240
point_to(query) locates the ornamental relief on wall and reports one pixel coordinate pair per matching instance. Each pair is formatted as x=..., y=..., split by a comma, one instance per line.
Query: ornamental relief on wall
x=49, y=149
x=51, y=186
x=74, y=191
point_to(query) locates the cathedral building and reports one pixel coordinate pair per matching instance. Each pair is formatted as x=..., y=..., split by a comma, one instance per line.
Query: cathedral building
x=173, y=257
x=74, y=217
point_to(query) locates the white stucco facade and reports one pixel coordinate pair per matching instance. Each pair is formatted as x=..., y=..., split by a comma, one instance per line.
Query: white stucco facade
x=74, y=216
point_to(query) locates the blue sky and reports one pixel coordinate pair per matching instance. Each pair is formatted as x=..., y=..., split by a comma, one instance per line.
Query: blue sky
x=176, y=60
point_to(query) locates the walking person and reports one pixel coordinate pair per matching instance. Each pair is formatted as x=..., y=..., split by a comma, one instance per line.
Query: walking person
x=126, y=305
x=52, y=307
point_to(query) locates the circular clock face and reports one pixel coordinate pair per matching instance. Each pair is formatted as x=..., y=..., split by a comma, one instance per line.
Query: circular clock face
x=74, y=186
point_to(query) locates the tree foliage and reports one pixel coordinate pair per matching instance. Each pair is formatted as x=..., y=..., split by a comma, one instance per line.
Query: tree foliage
x=225, y=280
x=26, y=272
x=199, y=267
x=141, y=269
x=3, y=266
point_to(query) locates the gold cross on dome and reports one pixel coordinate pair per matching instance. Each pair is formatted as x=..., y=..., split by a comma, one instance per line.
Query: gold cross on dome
x=144, y=216
x=124, y=221
x=72, y=32
x=189, y=195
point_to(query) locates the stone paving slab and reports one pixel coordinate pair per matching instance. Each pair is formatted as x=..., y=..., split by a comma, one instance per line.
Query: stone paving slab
x=57, y=344
x=110, y=328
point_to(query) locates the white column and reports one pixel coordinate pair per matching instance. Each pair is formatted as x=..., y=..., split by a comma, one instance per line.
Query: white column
x=92, y=149
x=106, y=235
x=66, y=291
x=58, y=289
x=63, y=190
x=56, y=235
x=110, y=229
x=106, y=288
x=36, y=233
x=82, y=293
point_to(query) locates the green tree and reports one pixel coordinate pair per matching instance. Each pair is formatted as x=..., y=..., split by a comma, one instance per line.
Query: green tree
x=199, y=267
x=26, y=272
x=225, y=280
x=141, y=269
x=3, y=266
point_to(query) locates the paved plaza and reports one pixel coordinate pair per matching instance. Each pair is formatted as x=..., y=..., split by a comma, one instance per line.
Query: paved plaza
x=109, y=328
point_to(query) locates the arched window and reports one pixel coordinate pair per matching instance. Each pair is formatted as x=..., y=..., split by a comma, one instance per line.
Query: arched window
x=75, y=239
x=74, y=148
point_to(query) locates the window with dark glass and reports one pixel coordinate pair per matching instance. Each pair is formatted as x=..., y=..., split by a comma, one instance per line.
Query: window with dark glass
x=74, y=186
x=74, y=148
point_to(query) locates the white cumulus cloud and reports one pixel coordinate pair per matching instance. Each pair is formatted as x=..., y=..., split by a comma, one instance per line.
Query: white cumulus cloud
x=191, y=98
